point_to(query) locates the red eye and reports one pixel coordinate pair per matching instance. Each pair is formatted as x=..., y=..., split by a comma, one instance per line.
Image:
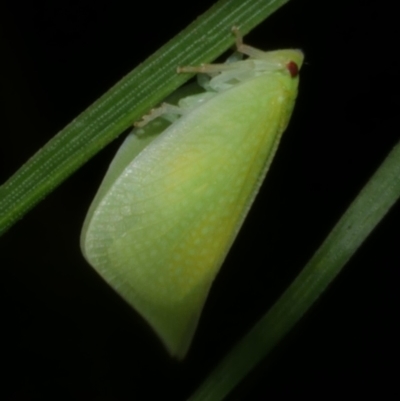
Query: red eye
x=292, y=68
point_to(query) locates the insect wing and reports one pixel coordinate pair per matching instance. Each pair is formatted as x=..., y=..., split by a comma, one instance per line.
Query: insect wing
x=161, y=231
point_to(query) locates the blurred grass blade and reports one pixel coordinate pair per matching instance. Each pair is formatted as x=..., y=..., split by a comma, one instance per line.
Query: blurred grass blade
x=202, y=41
x=366, y=211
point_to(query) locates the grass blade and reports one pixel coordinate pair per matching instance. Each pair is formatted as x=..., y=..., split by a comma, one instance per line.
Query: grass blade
x=363, y=215
x=127, y=101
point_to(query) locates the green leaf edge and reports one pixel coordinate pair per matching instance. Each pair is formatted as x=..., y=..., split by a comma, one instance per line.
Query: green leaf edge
x=145, y=86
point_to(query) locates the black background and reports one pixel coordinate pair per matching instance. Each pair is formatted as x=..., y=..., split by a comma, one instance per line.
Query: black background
x=67, y=336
